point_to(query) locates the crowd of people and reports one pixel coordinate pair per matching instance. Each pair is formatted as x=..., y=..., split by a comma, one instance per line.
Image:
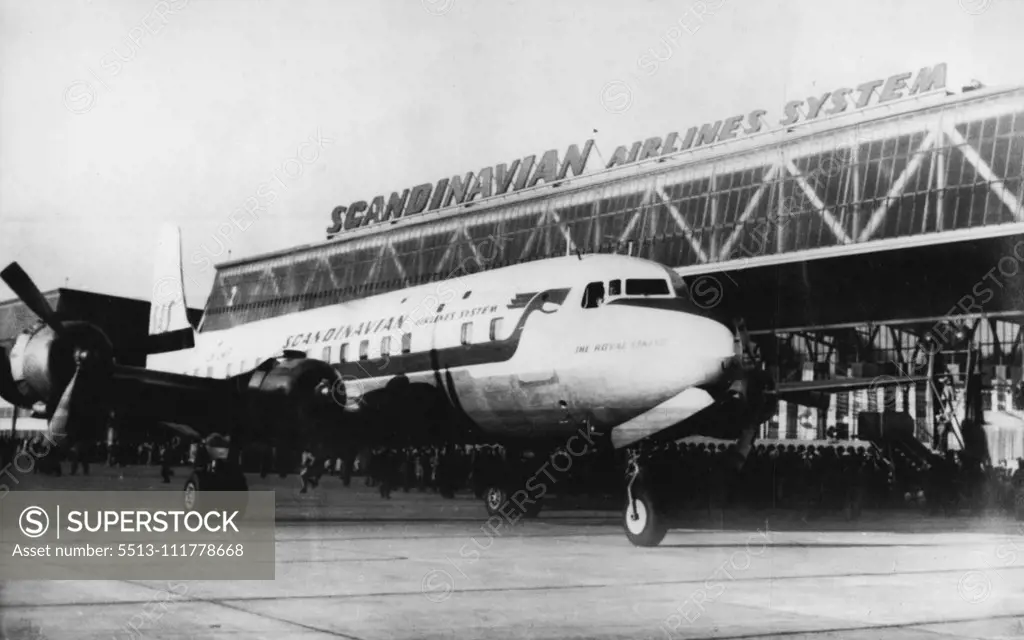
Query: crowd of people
x=36, y=454
x=838, y=477
x=816, y=478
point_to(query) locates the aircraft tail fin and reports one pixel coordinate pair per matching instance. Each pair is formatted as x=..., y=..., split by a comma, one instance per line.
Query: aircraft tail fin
x=167, y=310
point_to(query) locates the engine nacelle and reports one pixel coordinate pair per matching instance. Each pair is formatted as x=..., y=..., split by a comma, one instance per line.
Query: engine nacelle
x=297, y=395
x=42, y=363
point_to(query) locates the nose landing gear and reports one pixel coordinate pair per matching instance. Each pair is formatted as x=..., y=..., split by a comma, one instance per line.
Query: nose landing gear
x=644, y=522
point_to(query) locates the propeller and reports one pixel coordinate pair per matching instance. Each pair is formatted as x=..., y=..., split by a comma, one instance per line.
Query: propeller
x=29, y=293
x=78, y=343
x=753, y=388
x=62, y=414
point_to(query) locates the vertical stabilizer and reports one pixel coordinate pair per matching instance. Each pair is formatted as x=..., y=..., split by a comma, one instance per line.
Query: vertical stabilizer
x=167, y=310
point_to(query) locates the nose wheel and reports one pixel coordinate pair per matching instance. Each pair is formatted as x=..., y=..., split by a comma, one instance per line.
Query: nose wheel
x=643, y=521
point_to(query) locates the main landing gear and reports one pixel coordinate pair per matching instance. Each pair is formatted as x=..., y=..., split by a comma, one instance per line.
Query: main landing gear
x=497, y=502
x=644, y=522
x=216, y=468
x=514, y=487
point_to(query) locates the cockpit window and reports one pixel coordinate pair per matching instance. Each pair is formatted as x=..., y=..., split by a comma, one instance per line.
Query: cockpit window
x=615, y=288
x=647, y=287
x=682, y=291
x=593, y=295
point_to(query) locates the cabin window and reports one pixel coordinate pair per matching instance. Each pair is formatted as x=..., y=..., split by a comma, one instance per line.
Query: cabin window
x=326, y=355
x=209, y=372
x=227, y=370
x=364, y=349
x=647, y=287
x=467, y=332
x=385, y=345
x=343, y=353
x=196, y=372
x=440, y=307
x=615, y=288
x=407, y=343
x=466, y=295
x=593, y=295
x=495, y=328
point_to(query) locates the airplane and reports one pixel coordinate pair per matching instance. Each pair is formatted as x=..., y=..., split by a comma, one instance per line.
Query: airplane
x=604, y=347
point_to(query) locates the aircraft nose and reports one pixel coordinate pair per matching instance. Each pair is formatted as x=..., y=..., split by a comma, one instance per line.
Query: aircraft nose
x=677, y=350
x=703, y=348
x=715, y=339
x=633, y=359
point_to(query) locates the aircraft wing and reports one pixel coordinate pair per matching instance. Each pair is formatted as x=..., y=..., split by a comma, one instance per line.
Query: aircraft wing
x=816, y=393
x=836, y=385
x=147, y=395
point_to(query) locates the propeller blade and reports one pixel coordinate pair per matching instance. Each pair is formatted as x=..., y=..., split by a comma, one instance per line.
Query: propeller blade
x=62, y=414
x=29, y=293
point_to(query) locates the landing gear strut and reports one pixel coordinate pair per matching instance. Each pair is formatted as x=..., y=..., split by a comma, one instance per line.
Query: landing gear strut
x=216, y=468
x=644, y=523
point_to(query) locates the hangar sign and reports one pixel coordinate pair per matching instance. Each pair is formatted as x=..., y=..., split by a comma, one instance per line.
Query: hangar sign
x=528, y=172
x=502, y=178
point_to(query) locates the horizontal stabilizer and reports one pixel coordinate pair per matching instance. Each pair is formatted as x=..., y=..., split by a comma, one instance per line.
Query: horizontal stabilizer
x=172, y=341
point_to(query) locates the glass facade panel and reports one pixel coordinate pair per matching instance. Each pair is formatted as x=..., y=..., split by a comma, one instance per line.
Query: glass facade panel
x=952, y=166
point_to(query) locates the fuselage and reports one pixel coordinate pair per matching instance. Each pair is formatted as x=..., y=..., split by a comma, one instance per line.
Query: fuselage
x=515, y=348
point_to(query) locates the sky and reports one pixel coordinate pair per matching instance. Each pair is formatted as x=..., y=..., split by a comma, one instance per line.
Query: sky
x=118, y=116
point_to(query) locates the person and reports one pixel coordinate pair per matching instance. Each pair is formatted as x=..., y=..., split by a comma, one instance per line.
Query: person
x=165, y=463
x=311, y=470
x=384, y=466
x=266, y=461
x=345, y=471
x=80, y=456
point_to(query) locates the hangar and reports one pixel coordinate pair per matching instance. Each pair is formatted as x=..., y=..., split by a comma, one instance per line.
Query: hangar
x=850, y=240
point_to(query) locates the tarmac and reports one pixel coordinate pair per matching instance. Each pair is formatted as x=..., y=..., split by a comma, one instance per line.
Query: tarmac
x=351, y=565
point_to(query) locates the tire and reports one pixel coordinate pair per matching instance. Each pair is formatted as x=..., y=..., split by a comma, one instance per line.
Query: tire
x=494, y=498
x=200, y=482
x=197, y=482
x=647, y=528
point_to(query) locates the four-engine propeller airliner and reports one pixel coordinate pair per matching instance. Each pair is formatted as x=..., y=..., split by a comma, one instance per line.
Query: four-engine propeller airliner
x=521, y=355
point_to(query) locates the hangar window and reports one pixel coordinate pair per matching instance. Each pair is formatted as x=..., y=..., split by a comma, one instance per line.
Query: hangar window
x=467, y=332
x=385, y=345
x=647, y=287
x=326, y=355
x=615, y=288
x=343, y=353
x=495, y=328
x=407, y=343
x=364, y=349
x=593, y=295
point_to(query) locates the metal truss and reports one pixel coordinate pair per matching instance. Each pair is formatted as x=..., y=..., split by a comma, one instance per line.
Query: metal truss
x=954, y=167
